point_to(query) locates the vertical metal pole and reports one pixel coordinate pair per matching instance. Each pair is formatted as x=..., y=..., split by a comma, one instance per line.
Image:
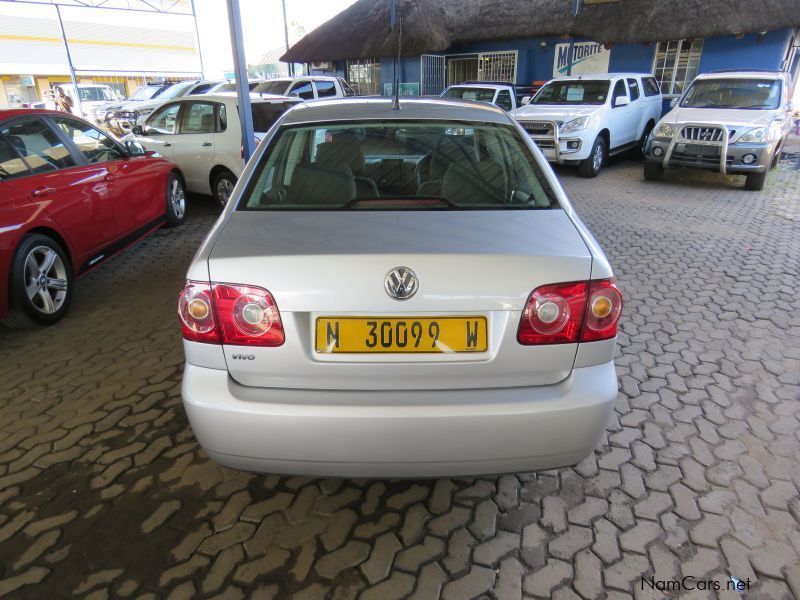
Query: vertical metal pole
x=197, y=37
x=575, y=9
x=240, y=70
x=69, y=62
x=286, y=35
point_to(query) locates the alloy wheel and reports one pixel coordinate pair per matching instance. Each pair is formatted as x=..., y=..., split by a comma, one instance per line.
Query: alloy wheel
x=45, y=279
x=177, y=198
x=597, y=157
x=224, y=190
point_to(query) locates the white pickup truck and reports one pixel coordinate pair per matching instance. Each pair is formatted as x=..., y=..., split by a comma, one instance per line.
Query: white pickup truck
x=581, y=120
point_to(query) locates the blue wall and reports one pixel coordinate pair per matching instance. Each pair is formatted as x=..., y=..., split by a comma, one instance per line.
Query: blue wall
x=536, y=64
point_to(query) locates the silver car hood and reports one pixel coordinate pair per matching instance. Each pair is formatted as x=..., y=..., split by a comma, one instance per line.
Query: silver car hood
x=736, y=118
x=553, y=113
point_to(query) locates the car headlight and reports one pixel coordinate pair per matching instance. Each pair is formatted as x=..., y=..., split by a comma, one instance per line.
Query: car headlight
x=760, y=135
x=111, y=114
x=575, y=125
x=665, y=130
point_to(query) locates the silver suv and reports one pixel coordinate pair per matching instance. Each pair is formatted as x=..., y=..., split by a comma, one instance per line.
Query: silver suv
x=734, y=122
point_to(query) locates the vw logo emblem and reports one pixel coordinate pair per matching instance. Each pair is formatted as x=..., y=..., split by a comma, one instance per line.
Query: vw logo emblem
x=401, y=283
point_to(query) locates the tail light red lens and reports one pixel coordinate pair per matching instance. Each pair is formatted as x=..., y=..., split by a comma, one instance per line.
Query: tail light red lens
x=238, y=315
x=195, y=308
x=567, y=313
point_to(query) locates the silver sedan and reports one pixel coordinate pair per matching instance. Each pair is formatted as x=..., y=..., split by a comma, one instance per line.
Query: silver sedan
x=398, y=293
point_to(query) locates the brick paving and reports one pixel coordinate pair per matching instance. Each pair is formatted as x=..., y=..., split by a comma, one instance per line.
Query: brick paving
x=104, y=492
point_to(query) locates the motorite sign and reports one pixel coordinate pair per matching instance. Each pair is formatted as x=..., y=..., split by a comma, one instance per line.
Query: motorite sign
x=587, y=57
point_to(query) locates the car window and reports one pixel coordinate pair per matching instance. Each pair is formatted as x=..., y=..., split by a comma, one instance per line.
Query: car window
x=202, y=88
x=163, y=120
x=378, y=165
x=266, y=113
x=38, y=145
x=198, y=117
x=470, y=93
x=11, y=165
x=633, y=89
x=348, y=91
x=325, y=89
x=222, y=118
x=504, y=99
x=573, y=92
x=302, y=90
x=619, y=91
x=650, y=87
x=95, y=146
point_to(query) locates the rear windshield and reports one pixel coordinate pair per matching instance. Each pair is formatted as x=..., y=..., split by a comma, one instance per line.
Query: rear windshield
x=573, y=92
x=752, y=94
x=470, y=93
x=272, y=87
x=398, y=166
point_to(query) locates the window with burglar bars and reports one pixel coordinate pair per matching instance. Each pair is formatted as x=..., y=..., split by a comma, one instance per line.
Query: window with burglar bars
x=498, y=66
x=676, y=64
x=365, y=76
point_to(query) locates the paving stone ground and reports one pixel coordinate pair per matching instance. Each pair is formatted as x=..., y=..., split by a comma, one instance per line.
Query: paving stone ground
x=104, y=492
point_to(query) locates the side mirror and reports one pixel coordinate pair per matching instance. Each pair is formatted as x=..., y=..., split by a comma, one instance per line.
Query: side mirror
x=674, y=102
x=137, y=130
x=135, y=148
x=621, y=101
x=525, y=100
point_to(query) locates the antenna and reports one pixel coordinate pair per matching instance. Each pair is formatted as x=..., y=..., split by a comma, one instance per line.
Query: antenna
x=396, y=83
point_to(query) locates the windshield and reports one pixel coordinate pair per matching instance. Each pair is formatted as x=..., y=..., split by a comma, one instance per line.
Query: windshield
x=272, y=87
x=96, y=94
x=176, y=90
x=749, y=94
x=573, y=92
x=403, y=165
x=470, y=93
x=145, y=92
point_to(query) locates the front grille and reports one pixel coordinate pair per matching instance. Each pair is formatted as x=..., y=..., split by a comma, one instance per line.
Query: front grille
x=703, y=134
x=538, y=127
x=545, y=144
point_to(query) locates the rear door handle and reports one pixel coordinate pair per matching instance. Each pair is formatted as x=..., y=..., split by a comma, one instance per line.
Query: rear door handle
x=110, y=178
x=207, y=144
x=41, y=192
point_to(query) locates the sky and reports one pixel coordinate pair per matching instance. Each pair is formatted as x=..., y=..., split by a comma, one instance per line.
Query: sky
x=262, y=21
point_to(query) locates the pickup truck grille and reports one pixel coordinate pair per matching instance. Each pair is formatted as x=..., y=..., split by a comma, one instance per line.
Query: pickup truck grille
x=703, y=134
x=538, y=127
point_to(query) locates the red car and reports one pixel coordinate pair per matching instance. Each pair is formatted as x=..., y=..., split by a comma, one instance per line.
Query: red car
x=71, y=196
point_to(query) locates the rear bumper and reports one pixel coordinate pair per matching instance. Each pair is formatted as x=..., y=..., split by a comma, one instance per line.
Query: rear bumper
x=336, y=433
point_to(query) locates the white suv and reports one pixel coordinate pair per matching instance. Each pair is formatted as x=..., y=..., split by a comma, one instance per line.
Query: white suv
x=733, y=122
x=585, y=118
x=306, y=88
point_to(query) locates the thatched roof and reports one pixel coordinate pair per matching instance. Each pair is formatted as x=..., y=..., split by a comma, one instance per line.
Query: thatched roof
x=363, y=31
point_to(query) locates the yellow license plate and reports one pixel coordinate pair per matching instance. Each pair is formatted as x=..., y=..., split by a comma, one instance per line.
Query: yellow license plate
x=401, y=334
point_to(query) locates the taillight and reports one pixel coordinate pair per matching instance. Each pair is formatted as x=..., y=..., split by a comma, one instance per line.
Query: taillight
x=196, y=313
x=602, y=311
x=240, y=315
x=566, y=313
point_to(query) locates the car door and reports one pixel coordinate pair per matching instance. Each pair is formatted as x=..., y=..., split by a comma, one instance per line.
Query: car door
x=193, y=144
x=622, y=116
x=134, y=193
x=158, y=131
x=302, y=89
x=638, y=102
x=503, y=100
x=72, y=192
